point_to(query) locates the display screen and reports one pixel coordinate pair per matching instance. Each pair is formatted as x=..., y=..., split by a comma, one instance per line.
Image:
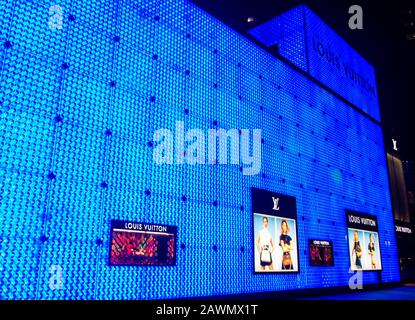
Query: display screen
x=142, y=244
x=321, y=253
x=363, y=241
x=275, y=232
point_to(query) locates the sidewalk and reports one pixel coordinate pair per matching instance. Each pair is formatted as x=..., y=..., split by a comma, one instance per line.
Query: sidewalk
x=406, y=292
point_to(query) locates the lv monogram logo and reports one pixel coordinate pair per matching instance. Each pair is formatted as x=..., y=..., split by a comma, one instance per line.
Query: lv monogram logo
x=395, y=144
x=276, y=203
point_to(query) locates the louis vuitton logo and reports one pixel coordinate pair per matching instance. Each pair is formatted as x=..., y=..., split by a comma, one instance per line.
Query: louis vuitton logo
x=395, y=144
x=276, y=203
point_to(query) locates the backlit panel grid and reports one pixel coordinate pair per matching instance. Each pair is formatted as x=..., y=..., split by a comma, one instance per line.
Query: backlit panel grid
x=270, y=70
x=30, y=78
x=31, y=31
x=290, y=134
x=19, y=268
x=232, y=257
x=7, y=10
x=231, y=105
x=125, y=177
x=201, y=182
x=136, y=30
x=315, y=177
x=289, y=111
x=169, y=85
x=72, y=224
x=178, y=16
x=229, y=177
x=110, y=103
x=248, y=112
x=199, y=263
x=225, y=41
x=391, y=262
x=169, y=93
x=271, y=133
x=122, y=282
x=26, y=126
x=305, y=119
x=171, y=48
x=16, y=204
x=76, y=258
x=90, y=52
x=327, y=126
x=274, y=176
x=270, y=98
x=247, y=56
x=168, y=179
x=202, y=62
x=287, y=32
x=229, y=76
x=305, y=133
x=78, y=163
x=26, y=135
x=230, y=242
x=291, y=163
x=323, y=96
x=125, y=122
x=324, y=69
x=22, y=204
x=133, y=70
x=201, y=99
x=232, y=108
x=201, y=27
x=84, y=101
x=250, y=82
x=101, y=14
x=126, y=154
x=134, y=205
x=344, y=146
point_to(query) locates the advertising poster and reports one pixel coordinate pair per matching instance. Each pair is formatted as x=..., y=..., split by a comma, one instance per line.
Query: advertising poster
x=321, y=253
x=142, y=244
x=275, y=232
x=363, y=241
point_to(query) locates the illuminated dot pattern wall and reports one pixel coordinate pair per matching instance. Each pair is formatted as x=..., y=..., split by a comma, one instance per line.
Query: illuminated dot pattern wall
x=286, y=34
x=78, y=109
x=304, y=39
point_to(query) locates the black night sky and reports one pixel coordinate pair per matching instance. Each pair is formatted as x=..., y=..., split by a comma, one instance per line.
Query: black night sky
x=384, y=42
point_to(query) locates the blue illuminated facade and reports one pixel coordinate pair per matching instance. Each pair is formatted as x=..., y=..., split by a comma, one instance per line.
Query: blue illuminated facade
x=306, y=41
x=78, y=109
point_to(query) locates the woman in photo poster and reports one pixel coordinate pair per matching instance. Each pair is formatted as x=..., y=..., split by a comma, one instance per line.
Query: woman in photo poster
x=316, y=255
x=328, y=256
x=372, y=251
x=265, y=246
x=287, y=246
x=357, y=250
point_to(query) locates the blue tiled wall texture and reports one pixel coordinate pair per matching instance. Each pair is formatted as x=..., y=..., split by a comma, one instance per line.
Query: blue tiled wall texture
x=83, y=88
x=304, y=39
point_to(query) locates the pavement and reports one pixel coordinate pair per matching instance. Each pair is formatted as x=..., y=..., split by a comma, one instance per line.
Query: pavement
x=406, y=292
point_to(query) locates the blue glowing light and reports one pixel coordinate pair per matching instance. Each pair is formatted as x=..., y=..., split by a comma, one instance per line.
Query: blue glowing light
x=78, y=108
